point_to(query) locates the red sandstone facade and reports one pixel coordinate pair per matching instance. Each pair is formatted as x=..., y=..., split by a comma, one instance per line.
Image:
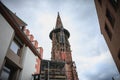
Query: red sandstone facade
x=61, y=49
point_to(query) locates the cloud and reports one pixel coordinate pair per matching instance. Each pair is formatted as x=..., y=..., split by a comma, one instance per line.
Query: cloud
x=79, y=17
x=96, y=67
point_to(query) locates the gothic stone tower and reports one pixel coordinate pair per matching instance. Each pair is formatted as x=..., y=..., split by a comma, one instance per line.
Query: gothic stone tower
x=61, y=49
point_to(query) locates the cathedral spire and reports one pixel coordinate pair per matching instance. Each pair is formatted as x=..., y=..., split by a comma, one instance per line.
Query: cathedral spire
x=58, y=22
x=61, y=51
x=59, y=28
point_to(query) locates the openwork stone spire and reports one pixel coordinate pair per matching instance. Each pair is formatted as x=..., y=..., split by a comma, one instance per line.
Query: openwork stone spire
x=61, y=50
x=59, y=22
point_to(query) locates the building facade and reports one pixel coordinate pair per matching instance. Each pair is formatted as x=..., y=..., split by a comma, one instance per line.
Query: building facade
x=61, y=50
x=52, y=70
x=109, y=20
x=19, y=53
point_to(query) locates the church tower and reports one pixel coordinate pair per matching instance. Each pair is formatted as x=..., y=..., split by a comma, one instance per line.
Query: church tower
x=61, y=49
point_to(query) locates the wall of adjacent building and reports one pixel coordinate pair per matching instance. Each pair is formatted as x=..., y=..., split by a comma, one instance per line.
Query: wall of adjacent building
x=6, y=33
x=24, y=61
x=28, y=65
x=105, y=9
x=29, y=62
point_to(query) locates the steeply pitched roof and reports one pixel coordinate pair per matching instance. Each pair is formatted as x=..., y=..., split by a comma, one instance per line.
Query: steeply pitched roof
x=59, y=22
x=16, y=23
x=17, y=19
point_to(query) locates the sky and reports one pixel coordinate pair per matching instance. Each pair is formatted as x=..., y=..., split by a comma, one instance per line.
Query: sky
x=89, y=50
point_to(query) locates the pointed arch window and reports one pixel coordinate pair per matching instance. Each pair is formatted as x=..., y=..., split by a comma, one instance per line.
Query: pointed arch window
x=62, y=37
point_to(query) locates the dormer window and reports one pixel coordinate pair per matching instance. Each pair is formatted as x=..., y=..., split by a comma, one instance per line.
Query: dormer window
x=22, y=27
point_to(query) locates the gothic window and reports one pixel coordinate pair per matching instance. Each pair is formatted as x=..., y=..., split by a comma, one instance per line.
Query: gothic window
x=62, y=40
x=57, y=38
x=61, y=49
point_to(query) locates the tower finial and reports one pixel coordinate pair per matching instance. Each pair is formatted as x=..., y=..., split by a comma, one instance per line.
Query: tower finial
x=59, y=22
x=58, y=14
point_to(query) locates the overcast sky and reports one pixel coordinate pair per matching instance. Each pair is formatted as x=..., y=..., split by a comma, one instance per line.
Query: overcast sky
x=89, y=49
